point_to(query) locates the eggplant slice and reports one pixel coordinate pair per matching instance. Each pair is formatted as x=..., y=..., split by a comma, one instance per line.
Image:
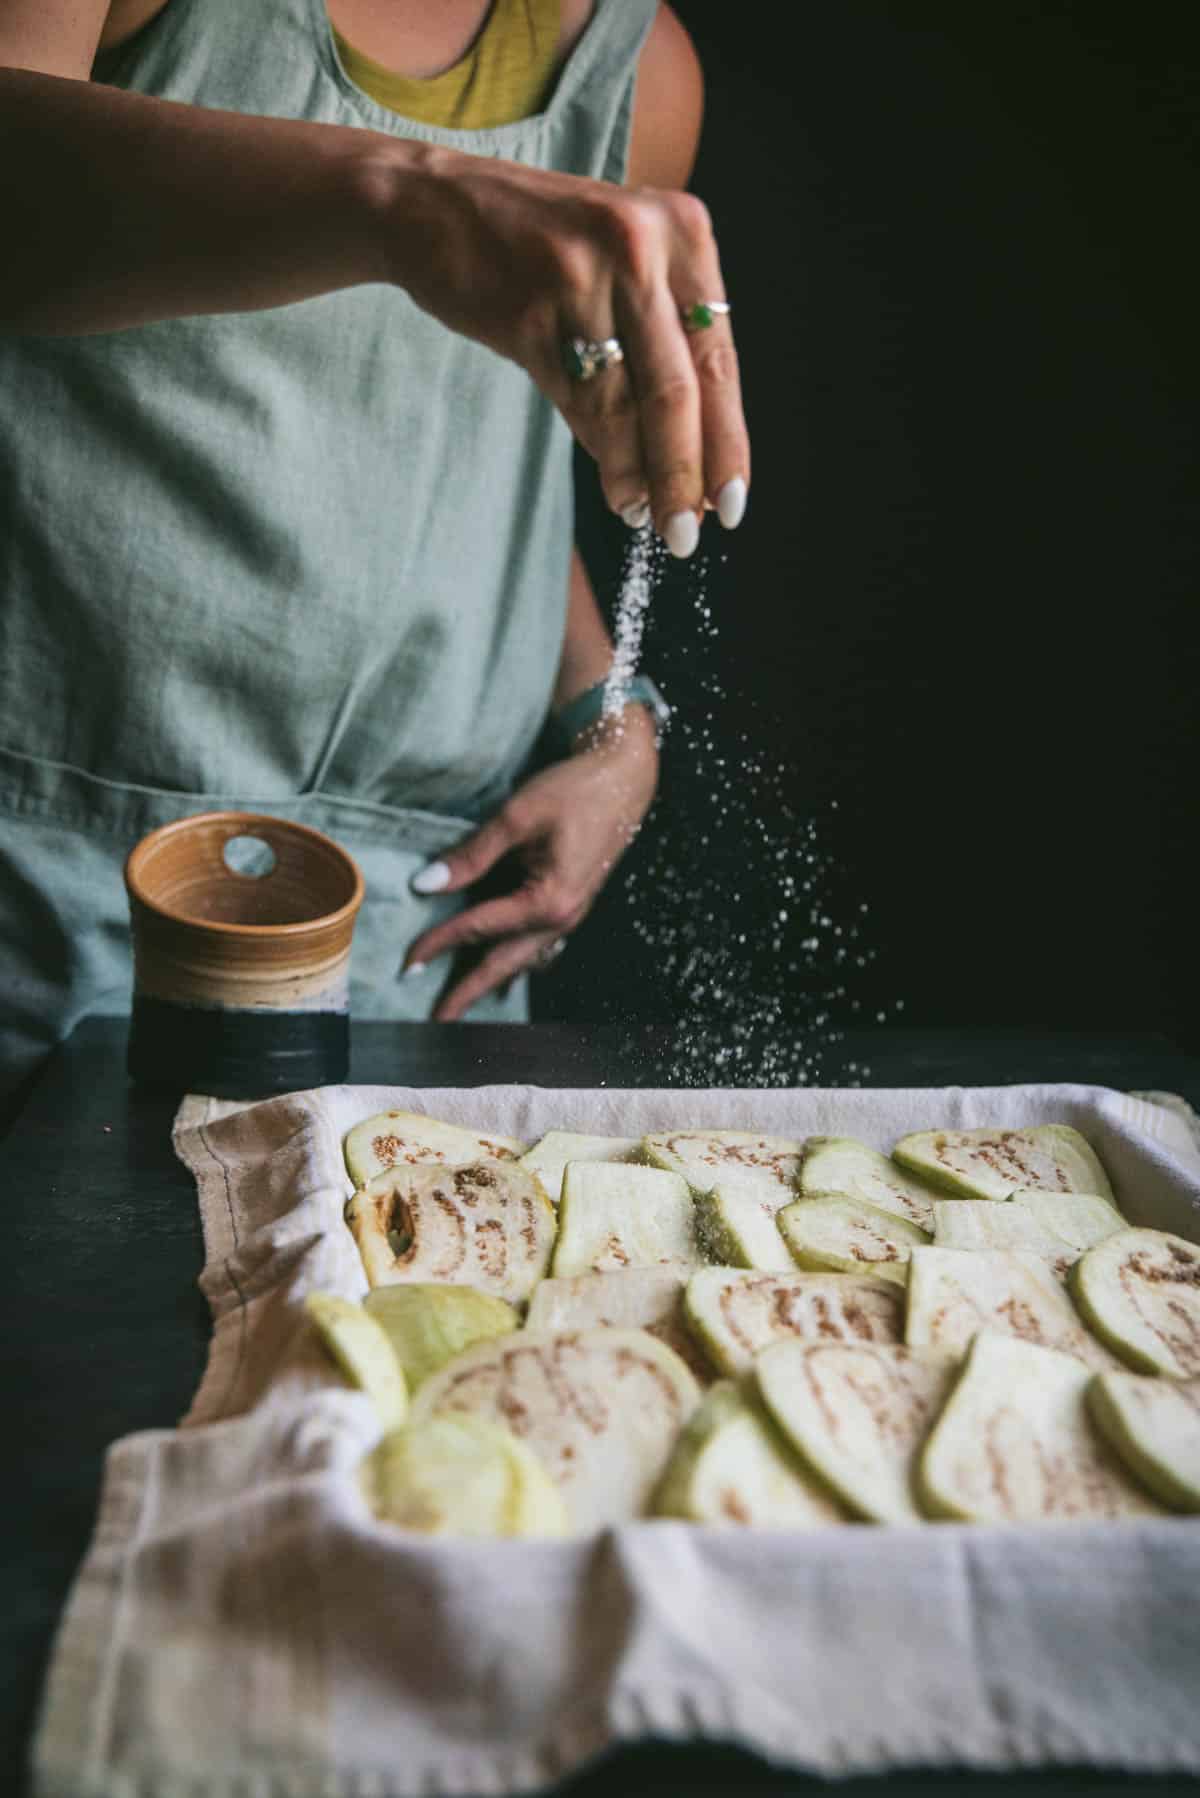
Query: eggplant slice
x=409, y=1139
x=1057, y=1227
x=633, y=1298
x=994, y=1163
x=1153, y=1425
x=954, y=1293
x=736, y=1315
x=732, y=1466
x=462, y=1476
x=601, y=1409
x=613, y=1217
x=1015, y=1443
x=767, y=1165
x=427, y=1325
x=843, y=1165
x=363, y=1352
x=848, y=1236
x=1140, y=1292
x=549, y=1156
x=858, y=1414
x=487, y=1224
x=739, y=1228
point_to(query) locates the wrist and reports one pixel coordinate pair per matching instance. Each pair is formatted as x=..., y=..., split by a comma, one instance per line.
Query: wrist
x=598, y=713
x=398, y=205
x=631, y=733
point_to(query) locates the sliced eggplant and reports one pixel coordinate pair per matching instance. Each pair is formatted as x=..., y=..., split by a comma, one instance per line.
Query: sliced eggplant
x=849, y=1236
x=635, y=1298
x=462, y=1476
x=409, y=1139
x=1014, y=1443
x=954, y=1293
x=486, y=1224
x=1057, y=1227
x=736, y=1315
x=1082, y=1219
x=732, y=1466
x=362, y=1351
x=858, y=1413
x=706, y=1159
x=428, y=1325
x=601, y=1409
x=1153, y=1426
x=1140, y=1291
x=843, y=1165
x=613, y=1217
x=994, y=1163
x=738, y=1227
x=549, y=1156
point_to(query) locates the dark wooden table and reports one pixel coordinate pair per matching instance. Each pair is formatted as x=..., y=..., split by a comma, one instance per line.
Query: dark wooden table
x=105, y=1331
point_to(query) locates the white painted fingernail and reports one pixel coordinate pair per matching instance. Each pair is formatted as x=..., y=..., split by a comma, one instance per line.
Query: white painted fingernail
x=731, y=503
x=637, y=514
x=682, y=533
x=431, y=879
x=414, y=967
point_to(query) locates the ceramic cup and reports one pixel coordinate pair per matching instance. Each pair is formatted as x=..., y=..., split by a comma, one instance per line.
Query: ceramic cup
x=241, y=955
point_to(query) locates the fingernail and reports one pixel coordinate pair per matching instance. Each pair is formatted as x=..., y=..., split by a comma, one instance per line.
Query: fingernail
x=431, y=879
x=731, y=503
x=682, y=533
x=637, y=514
x=414, y=967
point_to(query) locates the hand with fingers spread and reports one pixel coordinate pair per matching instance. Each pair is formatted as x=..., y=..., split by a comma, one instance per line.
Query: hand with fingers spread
x=563, y=833
x=612, y=299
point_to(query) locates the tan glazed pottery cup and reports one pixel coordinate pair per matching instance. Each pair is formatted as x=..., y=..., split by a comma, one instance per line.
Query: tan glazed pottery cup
x=241, y=955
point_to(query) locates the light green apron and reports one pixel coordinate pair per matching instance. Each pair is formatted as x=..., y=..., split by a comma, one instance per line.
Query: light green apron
x=311, y=561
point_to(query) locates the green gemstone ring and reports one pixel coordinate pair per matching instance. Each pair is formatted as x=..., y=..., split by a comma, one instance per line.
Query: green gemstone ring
x=701, y=313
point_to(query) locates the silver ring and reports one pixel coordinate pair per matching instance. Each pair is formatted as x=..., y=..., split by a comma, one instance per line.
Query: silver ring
x=586, y=357
x=701, y=313
x=550, y=953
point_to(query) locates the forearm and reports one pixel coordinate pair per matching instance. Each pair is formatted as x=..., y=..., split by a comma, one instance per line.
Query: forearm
x=120, y=209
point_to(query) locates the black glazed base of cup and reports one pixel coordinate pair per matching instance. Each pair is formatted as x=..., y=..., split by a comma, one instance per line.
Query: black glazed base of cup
x=236, y=1054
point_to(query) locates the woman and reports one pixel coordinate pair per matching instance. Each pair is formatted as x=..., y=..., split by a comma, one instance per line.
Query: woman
x=285, y=522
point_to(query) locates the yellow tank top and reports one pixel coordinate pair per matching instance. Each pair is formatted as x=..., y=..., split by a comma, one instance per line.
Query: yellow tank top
x=506, y=75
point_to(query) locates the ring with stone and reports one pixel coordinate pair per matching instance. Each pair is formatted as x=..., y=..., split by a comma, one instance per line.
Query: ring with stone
x=549, y=953
x=701, y=313
x=586, y=357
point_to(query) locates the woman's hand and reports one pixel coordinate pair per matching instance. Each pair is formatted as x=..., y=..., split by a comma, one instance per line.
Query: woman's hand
x=564, y=831
x=525, y=259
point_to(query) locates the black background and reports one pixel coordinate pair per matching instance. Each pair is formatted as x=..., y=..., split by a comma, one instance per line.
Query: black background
x=959, y=619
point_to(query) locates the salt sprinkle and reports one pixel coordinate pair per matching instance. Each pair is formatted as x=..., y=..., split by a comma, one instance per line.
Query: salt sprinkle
x=643, y=561
x=742, y=1017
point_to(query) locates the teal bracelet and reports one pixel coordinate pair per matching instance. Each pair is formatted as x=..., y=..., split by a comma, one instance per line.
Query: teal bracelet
x=588, y=707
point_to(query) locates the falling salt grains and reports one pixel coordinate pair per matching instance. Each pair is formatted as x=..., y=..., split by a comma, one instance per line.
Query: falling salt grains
x=643, y=560
x=746, y=1018
x=755, y=974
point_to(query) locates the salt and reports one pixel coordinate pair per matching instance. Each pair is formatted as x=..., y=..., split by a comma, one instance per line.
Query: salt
x=643, y=560
x=747, y=1018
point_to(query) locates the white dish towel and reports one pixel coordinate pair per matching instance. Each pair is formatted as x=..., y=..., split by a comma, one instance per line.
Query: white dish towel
x=241, y=1625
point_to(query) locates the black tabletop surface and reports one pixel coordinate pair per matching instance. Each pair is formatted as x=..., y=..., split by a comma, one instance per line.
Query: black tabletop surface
x=105, y=1330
